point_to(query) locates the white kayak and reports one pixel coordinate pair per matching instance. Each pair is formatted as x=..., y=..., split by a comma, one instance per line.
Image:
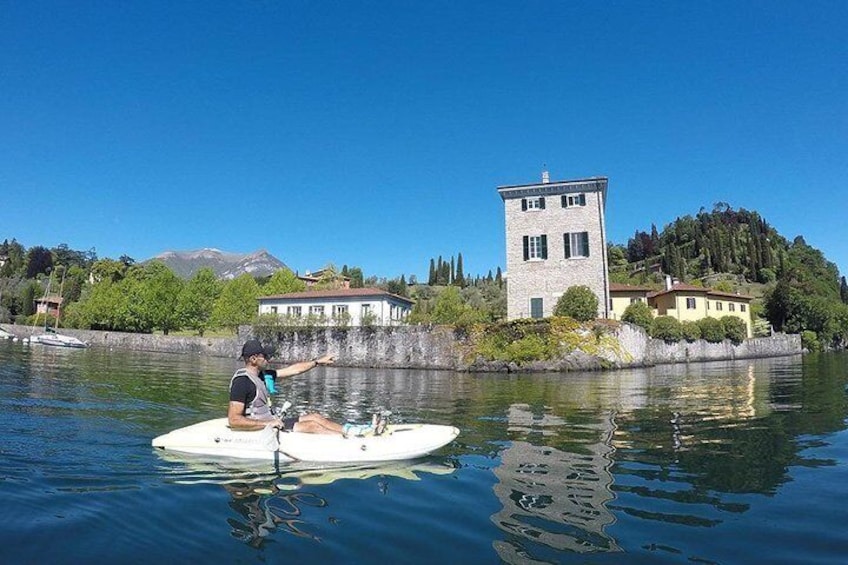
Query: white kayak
x=397, y=442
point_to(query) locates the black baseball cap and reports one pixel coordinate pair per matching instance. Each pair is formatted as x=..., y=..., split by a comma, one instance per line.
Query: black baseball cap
x=253, y=347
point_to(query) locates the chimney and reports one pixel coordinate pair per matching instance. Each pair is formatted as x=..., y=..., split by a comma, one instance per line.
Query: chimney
x=668, y=282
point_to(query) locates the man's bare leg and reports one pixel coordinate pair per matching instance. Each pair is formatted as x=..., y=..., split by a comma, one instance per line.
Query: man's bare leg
x=317, y=424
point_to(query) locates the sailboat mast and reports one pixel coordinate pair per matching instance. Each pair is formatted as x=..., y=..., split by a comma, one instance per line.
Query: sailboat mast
x=44, y=301
x=59, y=299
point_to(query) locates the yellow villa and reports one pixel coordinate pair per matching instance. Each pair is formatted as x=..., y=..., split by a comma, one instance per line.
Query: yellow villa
x=683, y=302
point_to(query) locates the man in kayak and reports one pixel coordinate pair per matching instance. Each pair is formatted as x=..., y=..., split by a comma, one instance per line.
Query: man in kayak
x=250, y=400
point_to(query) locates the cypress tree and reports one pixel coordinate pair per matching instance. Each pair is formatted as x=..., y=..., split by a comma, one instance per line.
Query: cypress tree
x=431, y=278
x=460, y=277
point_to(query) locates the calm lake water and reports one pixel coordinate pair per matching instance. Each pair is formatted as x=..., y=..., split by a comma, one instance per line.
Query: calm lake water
x=738, y=462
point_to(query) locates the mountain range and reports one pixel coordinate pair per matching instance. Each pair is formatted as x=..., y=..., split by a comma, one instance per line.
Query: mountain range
x=225, y=265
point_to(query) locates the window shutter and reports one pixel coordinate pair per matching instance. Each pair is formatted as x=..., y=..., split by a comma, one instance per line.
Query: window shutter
x=567, y=245
x=544, y=246
x=582, y=199
x=523, y=204
x=542, y=203
x=564, y=199
x=585, y=237
x=526, y=247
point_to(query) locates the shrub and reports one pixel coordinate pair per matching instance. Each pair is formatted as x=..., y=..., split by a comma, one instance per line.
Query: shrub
x=666, y=328
x=712, y=329
x=528, y=348
x=810, y=340
x=368, y=319
x=638, y=313
x=518, y=341
x=691, y=331
x=734, y=329
x=578, y=302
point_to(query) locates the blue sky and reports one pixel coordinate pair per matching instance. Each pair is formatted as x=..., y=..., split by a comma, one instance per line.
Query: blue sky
x=375, y=133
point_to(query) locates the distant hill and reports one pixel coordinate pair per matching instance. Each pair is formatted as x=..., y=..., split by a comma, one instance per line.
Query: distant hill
x=225, y=265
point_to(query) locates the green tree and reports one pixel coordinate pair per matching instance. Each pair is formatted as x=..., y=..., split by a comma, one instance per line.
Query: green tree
x=734, y=329
x=39, y=261
x=459, y=278
x=448, y=307
x=398, y=287
x=15, y=256
x=616, y=255
x=75, y=280
x=667, y=329
x=283, y=281
x=135, y=313
x=578, y=302
x=162, y=289
x=31, y=290
x=198, y=299
x=101, y=307
x=638, y=313
x=108, y=269
x=712, y=330
x=810, y=341
x=356, y=278
x=237, y=303
x=691, y=330
x=64, y=255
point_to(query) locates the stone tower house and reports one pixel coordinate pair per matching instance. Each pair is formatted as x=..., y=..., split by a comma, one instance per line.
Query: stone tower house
x=555, y=239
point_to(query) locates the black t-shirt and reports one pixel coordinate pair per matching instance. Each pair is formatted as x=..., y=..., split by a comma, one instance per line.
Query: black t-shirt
x=243, y=389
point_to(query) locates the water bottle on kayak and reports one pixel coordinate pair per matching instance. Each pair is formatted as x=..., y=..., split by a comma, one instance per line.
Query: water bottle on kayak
x=269, y=381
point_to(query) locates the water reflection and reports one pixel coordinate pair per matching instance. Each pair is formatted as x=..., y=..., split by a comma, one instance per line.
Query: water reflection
x=657, y=446
x=264, y=509
x=553, y=497
x=270, y=497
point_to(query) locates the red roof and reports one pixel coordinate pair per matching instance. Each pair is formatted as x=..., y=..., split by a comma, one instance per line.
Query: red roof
x=337, y=293
x=691, y=289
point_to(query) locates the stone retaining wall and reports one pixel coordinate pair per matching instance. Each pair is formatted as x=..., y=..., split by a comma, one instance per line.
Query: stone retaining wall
x=214, y=346
x=435, y=347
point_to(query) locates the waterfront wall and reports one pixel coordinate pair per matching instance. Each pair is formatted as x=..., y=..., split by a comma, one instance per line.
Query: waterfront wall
x=442, y=347
x=213, y=346
x=439, y=347
x=659, y=352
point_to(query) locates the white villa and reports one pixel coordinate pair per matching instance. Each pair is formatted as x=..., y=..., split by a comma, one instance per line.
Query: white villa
x=555, y=239
x=343, y=306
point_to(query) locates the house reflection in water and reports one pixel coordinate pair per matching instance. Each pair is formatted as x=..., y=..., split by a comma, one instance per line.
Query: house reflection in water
x=553, y=497
x=561, y=499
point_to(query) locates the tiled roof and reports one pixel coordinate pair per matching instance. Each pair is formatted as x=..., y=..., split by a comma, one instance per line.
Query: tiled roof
x=336, y=293
x=730, y=295
x=691, y=289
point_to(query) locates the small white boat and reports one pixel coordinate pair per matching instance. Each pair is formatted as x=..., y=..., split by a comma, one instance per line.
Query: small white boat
x=50, y=335
x=397, y=442
x=58, y=340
